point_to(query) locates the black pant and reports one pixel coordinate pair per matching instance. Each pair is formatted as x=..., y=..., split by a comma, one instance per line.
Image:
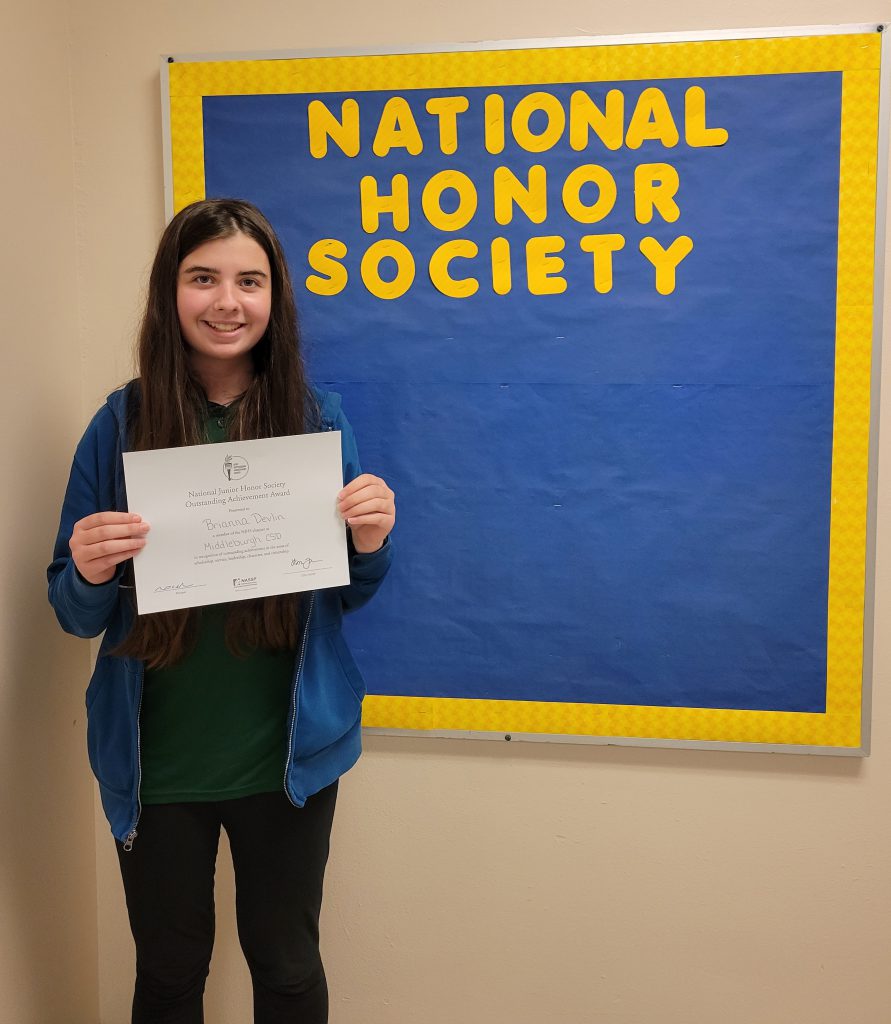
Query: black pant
x=279, y=854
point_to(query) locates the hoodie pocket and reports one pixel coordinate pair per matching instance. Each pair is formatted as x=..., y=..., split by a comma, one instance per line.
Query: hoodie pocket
x=331, y=692
x=110, y=731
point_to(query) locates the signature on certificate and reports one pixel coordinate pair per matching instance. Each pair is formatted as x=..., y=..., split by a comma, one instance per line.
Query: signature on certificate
x=305, y=563
x=177, y=588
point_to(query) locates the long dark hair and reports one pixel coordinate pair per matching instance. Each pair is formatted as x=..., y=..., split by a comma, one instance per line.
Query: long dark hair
x=168, y=409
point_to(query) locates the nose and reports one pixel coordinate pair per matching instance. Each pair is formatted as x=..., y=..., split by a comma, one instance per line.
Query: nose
x=227, y=296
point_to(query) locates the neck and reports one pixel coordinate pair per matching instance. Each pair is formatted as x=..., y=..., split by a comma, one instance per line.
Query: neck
x=223, y=384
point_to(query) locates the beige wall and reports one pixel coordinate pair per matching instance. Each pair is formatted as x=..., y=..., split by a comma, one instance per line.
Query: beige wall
x=48, y=950
x=469, y=881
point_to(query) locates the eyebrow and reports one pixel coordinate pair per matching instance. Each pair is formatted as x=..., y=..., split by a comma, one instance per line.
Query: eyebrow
x=213, y=270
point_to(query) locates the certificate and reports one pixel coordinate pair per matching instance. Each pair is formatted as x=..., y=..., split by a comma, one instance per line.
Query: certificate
x=237, y=520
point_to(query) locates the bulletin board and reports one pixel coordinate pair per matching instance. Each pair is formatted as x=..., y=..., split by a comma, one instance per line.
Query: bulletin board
x=604, y=314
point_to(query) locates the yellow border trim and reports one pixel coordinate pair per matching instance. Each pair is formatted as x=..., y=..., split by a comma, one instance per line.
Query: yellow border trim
x=858, y=58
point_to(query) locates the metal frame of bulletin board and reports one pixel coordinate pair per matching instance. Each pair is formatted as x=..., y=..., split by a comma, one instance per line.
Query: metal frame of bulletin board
x=637, y=505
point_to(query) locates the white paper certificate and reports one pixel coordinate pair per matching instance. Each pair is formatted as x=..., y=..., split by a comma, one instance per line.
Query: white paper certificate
x=238, y=519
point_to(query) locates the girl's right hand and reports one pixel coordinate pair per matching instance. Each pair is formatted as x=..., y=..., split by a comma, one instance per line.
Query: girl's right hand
x=103, y=540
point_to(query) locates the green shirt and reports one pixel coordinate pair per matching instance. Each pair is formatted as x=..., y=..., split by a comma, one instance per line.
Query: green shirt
x=214, y=726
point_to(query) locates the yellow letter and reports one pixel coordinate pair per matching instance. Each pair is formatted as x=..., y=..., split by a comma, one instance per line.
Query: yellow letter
x=542, y=266
x=531, y=198
x=606, y=197
x=666, y=260
x=584, y=115
x=323, y=123
x=602, y=248
x=556, y=117
x=397, y=128
x=651, y=120
x=323, y=256
x=455, y=288
x=694, y=121
x=655, y=186
x=447, y=109
x=494, y=114
x=432, y=194
x=501, y=281
x=374, y=204
x=405, y=269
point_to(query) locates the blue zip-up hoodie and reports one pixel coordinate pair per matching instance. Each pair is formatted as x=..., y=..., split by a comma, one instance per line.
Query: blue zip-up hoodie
x=326, y=704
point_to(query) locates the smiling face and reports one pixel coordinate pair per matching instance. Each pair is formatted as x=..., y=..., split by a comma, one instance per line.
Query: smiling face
x=224, y=299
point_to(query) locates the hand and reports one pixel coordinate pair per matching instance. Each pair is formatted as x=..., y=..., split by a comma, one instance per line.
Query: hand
x=103, y=540
x=369, y=508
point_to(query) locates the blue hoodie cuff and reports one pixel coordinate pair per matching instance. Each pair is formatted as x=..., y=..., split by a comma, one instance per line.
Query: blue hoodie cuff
x=370, y=562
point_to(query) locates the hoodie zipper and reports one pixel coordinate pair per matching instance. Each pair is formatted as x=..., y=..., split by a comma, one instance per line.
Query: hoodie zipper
x=312, y=600
x=132, y=834
x=120, y=416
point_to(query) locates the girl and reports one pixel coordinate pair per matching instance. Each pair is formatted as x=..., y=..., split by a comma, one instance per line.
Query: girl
x=239, y=716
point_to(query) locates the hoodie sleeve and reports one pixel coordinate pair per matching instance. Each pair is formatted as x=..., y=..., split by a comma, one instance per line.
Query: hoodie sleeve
x=83, y=608
x=367, y=571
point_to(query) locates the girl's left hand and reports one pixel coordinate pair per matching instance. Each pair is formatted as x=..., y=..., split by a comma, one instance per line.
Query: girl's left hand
x=369, y=508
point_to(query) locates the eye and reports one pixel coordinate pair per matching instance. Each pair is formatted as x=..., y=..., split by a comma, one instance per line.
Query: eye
x=202, y=279
x=250, y=282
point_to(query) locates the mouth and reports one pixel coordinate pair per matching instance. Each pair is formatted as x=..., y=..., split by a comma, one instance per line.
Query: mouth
x=223, y=326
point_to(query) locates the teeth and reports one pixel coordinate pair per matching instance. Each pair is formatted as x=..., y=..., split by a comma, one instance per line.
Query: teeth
x=224, y=326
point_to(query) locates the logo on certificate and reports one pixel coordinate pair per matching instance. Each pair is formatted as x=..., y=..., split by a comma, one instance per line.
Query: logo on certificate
x=245, y=582
x=235, y=467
